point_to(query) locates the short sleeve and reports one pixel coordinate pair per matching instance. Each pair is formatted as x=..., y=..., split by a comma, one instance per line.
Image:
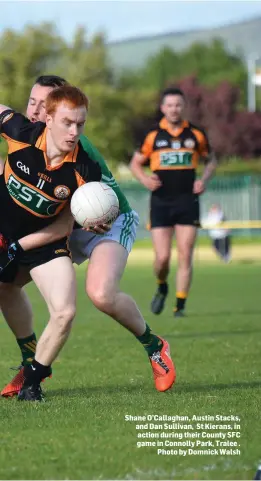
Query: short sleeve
x=146, y=148
x=204, y=146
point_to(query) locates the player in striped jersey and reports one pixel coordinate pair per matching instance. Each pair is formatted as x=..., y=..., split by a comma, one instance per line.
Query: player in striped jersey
x=107, y=252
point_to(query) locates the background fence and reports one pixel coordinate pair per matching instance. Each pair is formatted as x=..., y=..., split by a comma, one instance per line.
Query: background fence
x=238, y=196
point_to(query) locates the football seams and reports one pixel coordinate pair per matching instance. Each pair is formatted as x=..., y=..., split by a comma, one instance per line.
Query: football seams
x=94, y=203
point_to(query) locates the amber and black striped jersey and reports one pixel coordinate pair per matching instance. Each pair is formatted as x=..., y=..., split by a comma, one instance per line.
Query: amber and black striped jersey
x=32, y=193
x=174, y=156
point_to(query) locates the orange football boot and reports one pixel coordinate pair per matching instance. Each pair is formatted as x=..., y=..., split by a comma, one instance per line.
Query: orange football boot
x=13, y=388
x=163, y=368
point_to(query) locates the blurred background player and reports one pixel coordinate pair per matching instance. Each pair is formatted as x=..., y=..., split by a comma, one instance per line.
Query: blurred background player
x=220, y=237
x=173, y=149
x=108, y=258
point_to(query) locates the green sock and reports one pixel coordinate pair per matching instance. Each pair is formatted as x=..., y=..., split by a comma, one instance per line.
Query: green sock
x=27, y=347
x=150, y=341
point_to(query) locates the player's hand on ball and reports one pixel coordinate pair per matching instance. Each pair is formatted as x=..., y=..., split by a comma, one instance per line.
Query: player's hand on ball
x=198, y=187
x=152, y=182
x=99, y=229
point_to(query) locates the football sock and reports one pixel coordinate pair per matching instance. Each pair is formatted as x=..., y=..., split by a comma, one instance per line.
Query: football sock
x=150, y=341
x=35, y=373
x=162, y=287
x=27, y=347
x=181, y=298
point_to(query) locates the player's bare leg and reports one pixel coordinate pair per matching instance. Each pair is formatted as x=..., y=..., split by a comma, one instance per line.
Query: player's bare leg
x=16, y=309
x=162, y=241
x=185, y=237
x=17, y=312
x=106, y=266
x=57, y=284
x=105, y=269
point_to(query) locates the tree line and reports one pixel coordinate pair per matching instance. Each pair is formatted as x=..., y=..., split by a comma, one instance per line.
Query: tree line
x=124, y=105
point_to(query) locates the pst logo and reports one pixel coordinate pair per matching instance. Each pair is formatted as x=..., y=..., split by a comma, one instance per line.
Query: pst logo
x=23, y=167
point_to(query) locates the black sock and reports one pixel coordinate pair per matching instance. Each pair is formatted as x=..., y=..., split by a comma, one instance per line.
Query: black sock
x=180, y=301
x=35, y=373
x=163, y=288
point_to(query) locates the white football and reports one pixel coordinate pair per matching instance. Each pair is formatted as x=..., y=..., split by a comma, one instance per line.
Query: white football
x=94, y=203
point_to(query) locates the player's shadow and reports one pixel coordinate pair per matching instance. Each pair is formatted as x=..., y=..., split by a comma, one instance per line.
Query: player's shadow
x=184, y=335
x=89, y=391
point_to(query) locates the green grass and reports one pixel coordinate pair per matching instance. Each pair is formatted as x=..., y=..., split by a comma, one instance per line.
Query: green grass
x=236, y=166
x=203, y=241
x=103, y=374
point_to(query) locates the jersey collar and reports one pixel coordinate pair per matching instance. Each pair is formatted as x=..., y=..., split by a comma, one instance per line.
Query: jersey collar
x=174, y=132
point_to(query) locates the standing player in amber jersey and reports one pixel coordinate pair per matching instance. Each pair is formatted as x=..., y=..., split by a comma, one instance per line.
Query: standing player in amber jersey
x=173, y=150
x=45, y=165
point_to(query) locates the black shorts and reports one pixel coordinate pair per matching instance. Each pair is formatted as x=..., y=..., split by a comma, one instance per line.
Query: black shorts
x=183, y=210
x=36, y=257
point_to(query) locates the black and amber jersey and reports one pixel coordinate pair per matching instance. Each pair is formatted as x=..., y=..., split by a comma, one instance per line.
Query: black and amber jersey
x=33, y=193
x=174, y=155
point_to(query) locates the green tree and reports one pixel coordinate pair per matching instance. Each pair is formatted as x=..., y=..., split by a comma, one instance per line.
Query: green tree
x=86, y=63
x=210, y=63
x=121, y=108
x=23, y=57
x=156, y=72
x=112, y=118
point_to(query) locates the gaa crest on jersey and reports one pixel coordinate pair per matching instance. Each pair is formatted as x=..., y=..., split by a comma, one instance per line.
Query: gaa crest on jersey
x=61, y=192
x=189, y=143
x=176, y=144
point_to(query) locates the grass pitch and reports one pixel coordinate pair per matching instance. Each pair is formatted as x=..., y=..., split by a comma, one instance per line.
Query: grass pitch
x=103, y=374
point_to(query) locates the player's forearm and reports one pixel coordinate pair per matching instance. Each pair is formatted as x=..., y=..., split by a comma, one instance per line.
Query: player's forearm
x=38, y=239
x=210, y=169
x=59, y=229
x=138, y=172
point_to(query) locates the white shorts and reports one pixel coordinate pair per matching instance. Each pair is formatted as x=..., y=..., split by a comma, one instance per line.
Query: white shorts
x=123, y=231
